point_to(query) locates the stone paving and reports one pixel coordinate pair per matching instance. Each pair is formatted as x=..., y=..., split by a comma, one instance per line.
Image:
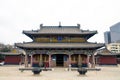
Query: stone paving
x=9, y=72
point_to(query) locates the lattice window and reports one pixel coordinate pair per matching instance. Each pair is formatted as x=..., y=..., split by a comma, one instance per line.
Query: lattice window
x=77, y=40
x=42, y=39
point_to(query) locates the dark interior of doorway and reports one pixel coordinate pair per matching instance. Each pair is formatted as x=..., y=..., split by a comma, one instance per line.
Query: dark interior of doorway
x=59, y=60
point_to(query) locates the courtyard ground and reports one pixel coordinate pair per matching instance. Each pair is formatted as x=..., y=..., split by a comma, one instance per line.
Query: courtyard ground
x=11, y=72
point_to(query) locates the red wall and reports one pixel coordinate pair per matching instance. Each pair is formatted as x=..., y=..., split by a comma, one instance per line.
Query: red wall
x=107, y=60
x=1, y=60
x=12, y=59
x=118, y=60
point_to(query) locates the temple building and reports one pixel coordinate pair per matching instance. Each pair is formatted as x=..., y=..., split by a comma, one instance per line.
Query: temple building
x=60, y=46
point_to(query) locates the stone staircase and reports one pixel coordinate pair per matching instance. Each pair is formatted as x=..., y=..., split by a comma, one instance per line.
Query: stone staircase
x=59, y=69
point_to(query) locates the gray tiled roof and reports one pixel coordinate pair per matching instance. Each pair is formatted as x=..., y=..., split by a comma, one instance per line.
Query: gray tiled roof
x=60, y=30
x=59, y=45
x=10, y=53
x=106, y=52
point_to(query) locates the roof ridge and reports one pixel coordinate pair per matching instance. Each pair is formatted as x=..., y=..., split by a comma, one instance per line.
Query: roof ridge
x=60, y=26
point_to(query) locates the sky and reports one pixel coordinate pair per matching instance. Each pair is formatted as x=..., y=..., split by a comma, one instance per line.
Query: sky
x=19, y=15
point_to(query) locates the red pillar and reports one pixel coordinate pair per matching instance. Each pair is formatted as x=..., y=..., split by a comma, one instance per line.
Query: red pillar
x=31, y=60
x=50, y=60
x=79, y=60
x=93, y=61
x=69, y=60
x=26, y=60
x=88, y=61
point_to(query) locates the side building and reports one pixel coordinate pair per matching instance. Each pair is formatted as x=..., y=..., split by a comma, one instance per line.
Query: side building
x=106, y=57
x=54, y=46
x=114, y=47
x=10, y=58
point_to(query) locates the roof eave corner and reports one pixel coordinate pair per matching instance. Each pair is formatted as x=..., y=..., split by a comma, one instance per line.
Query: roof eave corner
x=96, y=32
x=102, y=45
x=23, y=32
x=78, y=26
x=41, y=26
x=16, y=44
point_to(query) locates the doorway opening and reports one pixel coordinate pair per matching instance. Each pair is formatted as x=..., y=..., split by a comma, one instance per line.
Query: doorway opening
x=59, y=59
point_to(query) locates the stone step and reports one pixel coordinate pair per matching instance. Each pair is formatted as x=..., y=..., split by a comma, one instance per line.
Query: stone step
x=59, y=69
